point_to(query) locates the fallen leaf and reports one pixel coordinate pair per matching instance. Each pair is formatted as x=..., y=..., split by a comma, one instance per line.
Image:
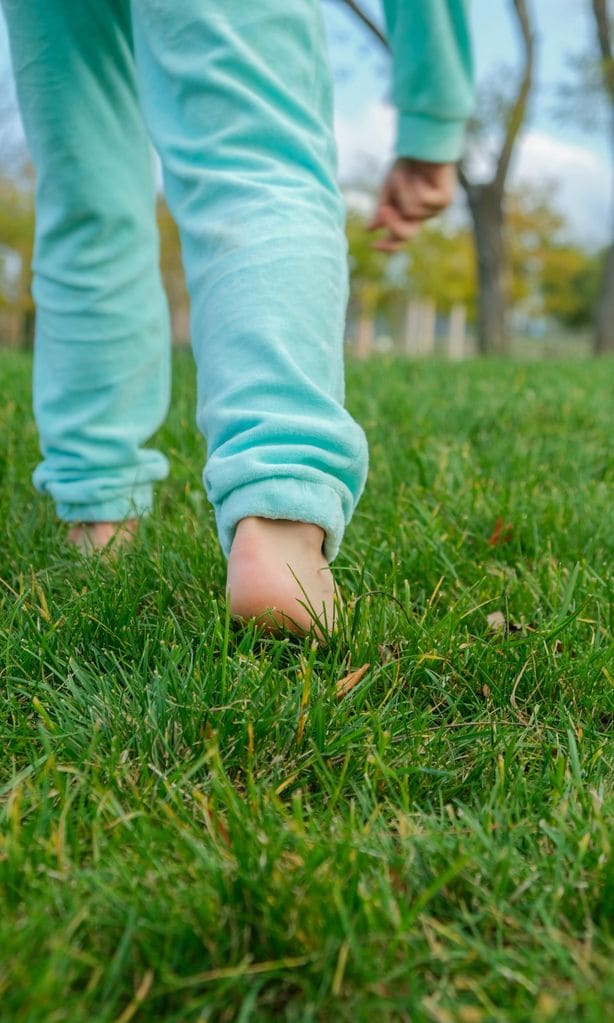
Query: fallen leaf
x=502, y=532
x=347, y=683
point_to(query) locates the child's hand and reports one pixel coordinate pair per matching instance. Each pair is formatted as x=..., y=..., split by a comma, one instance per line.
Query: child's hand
x=413, y=191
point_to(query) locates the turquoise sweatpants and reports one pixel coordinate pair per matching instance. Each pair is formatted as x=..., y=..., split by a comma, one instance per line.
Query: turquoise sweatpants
x=236, y=98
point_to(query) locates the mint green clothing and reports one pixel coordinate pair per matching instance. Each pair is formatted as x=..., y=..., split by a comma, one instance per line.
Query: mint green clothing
x=432, y=76
x=236, y=97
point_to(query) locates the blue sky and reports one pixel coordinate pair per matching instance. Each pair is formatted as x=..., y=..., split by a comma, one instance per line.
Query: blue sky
x=553, y=150
x=563, y=27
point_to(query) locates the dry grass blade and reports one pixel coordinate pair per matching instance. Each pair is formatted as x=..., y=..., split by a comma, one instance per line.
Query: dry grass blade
x=347, y=683
x=139, y=998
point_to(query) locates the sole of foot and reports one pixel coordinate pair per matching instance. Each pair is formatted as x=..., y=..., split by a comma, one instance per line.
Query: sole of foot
x=89, y=537
x=279, y=577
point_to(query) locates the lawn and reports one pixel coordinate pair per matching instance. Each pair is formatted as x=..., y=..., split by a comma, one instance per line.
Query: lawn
x=199, y=824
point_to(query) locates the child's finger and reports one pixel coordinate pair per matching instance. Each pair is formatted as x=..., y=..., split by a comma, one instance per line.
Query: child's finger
x=421, y=191
x=392, y=242
x=376, y=221
x=383, y=200
x=400, y=228
x=418, y=202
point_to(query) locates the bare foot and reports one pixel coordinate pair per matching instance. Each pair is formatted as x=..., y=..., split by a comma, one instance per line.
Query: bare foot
x=88, y=537
x=278, y=574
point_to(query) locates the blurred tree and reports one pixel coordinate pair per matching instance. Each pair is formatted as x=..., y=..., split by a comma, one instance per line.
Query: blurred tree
x=532, y=227
x=585, y=98
x=547, y=274
x=363, y=16
x=372, y=284
x=570, y=285
x=173, y=277
x=16, y=221
x=486, y=199
x=436, y=271
x=16, y=241
x=604, y=318
x=13, y=153
x=441, y=265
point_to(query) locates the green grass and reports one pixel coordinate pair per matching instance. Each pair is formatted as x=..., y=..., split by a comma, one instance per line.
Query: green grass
x=196, y=827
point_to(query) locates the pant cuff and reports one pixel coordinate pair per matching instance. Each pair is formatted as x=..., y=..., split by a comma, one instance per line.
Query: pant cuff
x=134, y=505
x=284, y=498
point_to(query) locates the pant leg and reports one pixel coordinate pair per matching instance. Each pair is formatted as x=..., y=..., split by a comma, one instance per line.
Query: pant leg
x=237, y=97
x=101, y=367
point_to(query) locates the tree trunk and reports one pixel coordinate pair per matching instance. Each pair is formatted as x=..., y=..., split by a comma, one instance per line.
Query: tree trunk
x=412, y=317
x=604, y=314
x=427, y=327
x=487, y=199
x=485, y=203
x=365, y=335
x=26, y=305
x=457, y=324
x=27, y=329
x=604, y=319
x=603, y=335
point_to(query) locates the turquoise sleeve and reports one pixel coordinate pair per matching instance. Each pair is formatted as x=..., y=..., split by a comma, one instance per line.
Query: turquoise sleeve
x=432, y=85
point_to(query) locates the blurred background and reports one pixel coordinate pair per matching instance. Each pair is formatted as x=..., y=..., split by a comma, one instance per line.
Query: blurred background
x=521, y=264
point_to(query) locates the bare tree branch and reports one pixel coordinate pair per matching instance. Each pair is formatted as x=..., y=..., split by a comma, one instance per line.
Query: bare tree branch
x=518, y=111
x=604, y=37
x=462, y=177
x=604, y=313
x=362, y=16
x=486, y=199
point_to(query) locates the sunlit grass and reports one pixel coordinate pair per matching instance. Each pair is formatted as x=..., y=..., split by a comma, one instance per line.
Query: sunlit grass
x=196, y=825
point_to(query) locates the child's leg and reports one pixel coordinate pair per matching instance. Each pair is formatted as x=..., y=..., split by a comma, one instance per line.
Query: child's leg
x=238, y=99
x=101, y=375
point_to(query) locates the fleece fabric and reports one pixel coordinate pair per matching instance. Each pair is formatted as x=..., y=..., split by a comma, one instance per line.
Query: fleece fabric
x=236, y=97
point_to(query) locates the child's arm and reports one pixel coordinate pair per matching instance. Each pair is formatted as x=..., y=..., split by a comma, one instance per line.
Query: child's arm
x=432, y=76
x=432, y=88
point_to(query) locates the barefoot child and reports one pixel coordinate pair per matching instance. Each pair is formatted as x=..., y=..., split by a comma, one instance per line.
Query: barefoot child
x=236, y=97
